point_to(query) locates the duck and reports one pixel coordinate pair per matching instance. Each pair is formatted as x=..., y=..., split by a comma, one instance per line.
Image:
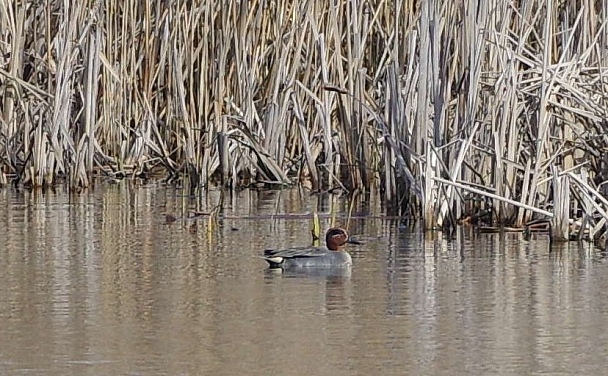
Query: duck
x=331, y=256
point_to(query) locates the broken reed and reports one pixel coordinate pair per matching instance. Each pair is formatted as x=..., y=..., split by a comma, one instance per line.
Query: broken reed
x=351, y=94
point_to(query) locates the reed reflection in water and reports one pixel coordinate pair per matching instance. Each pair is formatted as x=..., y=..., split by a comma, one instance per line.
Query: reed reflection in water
x=98, y=283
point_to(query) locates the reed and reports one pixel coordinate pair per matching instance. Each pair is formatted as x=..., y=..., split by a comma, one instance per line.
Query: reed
x=416, y=98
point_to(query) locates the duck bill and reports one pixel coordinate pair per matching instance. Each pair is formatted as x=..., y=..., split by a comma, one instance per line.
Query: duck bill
x=353, y=241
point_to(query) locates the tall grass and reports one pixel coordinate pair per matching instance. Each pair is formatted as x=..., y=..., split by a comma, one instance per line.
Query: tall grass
x=413, y=97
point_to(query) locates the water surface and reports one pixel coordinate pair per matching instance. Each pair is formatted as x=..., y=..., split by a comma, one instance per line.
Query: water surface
x=97, y=283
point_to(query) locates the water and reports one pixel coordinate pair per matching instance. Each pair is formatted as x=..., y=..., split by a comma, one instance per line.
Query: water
x=98, y=283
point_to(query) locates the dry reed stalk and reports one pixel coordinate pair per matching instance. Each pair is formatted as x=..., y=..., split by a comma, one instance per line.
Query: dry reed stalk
x=424, y=126
x=491, y=195
x=560, y=226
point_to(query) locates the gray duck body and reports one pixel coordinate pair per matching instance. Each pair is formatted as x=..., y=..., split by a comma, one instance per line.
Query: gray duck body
x=307, y=257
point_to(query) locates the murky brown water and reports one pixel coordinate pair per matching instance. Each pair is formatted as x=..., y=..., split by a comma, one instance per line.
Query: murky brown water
x=97, y=284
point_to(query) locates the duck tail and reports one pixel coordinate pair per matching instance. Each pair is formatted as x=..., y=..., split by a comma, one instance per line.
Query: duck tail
x=269, y=252
x=273, y=260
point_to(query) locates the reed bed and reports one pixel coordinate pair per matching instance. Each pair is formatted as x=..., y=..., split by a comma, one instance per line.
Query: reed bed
x=432, y=102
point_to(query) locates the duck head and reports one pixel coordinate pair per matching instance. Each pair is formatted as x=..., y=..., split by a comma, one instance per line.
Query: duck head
x=336, y=238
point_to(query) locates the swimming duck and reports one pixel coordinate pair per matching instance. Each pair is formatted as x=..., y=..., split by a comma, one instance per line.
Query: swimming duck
x=331, y=256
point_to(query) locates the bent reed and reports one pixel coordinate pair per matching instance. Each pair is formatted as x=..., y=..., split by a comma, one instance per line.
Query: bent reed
x=448, y=108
